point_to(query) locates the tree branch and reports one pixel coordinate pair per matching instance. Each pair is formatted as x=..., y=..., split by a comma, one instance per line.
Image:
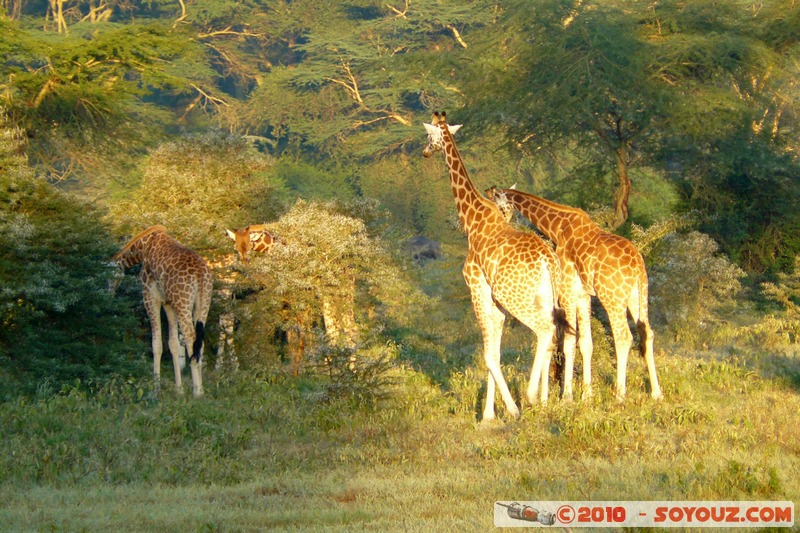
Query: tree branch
x=183, y=16
x=400, y=14
x=456, y=35
x=228, y=31
x=352, y=87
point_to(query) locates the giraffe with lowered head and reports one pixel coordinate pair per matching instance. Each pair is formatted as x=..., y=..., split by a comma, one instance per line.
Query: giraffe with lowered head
x=506, y=270
x=179, y=280
x=607, y=266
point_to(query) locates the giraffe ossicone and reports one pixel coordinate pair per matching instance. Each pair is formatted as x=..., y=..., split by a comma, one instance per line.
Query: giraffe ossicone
x=506, y=270
x=178, y=280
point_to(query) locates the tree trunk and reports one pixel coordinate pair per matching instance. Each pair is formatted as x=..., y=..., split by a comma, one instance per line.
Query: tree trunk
x=623, y=188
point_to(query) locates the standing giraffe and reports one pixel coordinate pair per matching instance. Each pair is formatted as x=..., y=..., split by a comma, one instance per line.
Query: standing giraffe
x=179, y=280
x=506, y=269
x=606, y=265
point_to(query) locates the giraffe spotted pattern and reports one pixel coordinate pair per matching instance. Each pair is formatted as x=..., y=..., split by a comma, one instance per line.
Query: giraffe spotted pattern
x=179, y=280
x=507, y=271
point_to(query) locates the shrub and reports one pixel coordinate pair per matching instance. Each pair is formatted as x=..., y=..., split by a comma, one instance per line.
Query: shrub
x=689, y=281
x=59, y=321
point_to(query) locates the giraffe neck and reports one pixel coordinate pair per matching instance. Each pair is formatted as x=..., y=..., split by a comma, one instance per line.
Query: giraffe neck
x=137, y=249
x=550, y=218
x=474, y=210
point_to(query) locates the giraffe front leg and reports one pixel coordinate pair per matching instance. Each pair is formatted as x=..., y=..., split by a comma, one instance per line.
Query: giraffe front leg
x=490, y=320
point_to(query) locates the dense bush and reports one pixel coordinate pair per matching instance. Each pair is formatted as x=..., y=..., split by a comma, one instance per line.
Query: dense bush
x=60, y=323
x=326, y=275
x=689, y=280
x=198, y=185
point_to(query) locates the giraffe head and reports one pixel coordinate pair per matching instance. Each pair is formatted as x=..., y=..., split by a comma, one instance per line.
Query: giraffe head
x=436, y=133
x=254, y=237
x=498, y=196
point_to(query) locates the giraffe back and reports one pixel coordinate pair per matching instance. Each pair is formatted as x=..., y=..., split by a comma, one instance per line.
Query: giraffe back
x=179, y=275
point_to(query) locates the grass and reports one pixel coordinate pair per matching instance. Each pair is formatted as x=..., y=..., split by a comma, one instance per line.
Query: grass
x=266, y=451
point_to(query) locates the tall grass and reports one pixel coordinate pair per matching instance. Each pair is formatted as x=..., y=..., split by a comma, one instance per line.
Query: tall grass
x=263, y=450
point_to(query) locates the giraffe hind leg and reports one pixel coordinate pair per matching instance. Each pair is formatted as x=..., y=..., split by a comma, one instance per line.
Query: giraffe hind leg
x=646, y=349
x=175, y=347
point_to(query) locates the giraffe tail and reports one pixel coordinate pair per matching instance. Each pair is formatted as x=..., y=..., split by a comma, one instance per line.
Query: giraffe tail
x=197, y=348
x=562, y=327
x=641, y=320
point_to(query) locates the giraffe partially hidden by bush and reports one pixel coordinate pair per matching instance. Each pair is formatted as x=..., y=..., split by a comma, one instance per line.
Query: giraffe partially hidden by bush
x=338, y=314
x=506, y=269
x=179, y=280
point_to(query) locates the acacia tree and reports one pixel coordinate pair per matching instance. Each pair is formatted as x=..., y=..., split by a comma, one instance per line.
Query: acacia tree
x=326, y=276
x=571, y=76
x=59, y=321
x=359, y=75
x=733, y=127
x=84, y=97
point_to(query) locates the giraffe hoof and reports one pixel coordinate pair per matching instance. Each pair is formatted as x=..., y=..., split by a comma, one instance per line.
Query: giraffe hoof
x=619, y=398
x=567, y=397
x=658, y=396
x=587, y=395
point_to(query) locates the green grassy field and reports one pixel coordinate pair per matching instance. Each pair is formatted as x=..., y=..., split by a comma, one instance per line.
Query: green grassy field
x=266, y=451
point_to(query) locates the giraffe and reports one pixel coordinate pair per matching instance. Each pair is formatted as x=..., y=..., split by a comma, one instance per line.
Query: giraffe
x=602, y=264
x=340, y=324
x=569, y=298
x=254, y=237
x=179, y=280
x=506, y=270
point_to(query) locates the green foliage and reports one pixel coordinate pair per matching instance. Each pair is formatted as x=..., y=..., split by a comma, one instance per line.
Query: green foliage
x=60, y=323
x=325, y=255
x=83, y=96
x=199, y=185
x=689, y=280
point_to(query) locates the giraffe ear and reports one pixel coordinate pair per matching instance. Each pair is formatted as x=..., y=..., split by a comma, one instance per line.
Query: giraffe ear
x=453, y=128
x=231, y=234
x=255, y=235
x=513, y=187
x=430, y=128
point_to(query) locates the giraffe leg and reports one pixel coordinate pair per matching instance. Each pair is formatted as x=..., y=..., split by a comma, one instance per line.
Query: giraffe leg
x=153, y=308
x=585, y=341
x=490, y=320
x=546, y=356
x=538, y=384
x=646, y=332
x=187, y=327
x=622, y=345
x=646, y=343
x=571, y=288
x=175, y=346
